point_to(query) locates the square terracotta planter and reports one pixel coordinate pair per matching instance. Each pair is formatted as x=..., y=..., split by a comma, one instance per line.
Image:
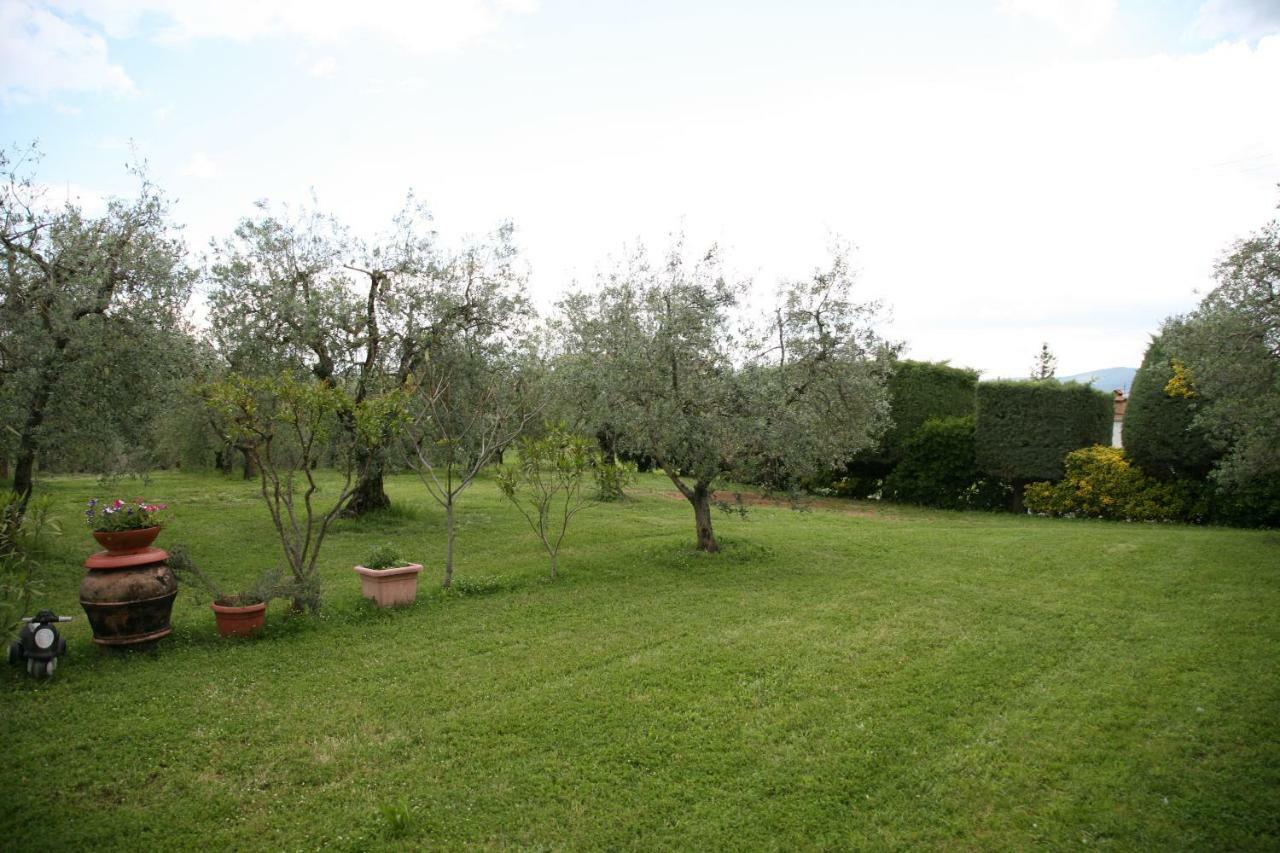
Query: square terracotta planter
x=390, y=587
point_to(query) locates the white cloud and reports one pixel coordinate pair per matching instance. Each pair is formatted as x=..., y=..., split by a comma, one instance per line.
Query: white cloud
x=423, y=26
x=323, y=67
x=48, y=46
x=91, y=201
x=41, y=53
x=1079, y=204
x=1082, y=20
x=201, y=167
x=1245, y=19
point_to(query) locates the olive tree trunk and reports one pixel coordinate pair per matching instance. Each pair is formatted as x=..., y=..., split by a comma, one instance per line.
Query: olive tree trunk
x=700, y=497
x=370, y=493
x=448, y=552
x=28, y=448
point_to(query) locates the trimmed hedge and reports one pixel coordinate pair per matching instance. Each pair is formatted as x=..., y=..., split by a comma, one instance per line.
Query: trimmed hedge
x=1158, y=433
x=938, y=469
x=1025, y=429
x=920, y=390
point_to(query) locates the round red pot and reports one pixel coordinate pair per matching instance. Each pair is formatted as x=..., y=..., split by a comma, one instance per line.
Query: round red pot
x=127, y=541
x=239, y=621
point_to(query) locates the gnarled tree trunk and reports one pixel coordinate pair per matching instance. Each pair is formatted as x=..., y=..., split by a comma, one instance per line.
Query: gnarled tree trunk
x=370, y=494
x=28, y=448
x=701, y=500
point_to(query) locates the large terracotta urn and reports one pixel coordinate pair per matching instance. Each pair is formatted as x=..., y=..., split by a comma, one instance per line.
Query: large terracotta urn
x=128, y=594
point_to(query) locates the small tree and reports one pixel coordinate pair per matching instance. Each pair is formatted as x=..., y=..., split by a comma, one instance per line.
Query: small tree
x=467, y=408
x=546, y=485
x=1045, y=365
x=654, y=355
x=287, y=425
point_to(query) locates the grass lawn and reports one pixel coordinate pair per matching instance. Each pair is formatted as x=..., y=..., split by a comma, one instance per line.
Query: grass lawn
x=849, y=677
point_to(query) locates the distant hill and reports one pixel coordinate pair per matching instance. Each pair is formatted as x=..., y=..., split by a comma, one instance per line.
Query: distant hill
x=1107, y=379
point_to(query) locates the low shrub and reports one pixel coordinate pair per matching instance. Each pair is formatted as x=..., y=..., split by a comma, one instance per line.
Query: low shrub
x=856, y=484
x=1252, y=504
x=938, y=469
x=612, y=477
x=937, y=465
x=1101, y=482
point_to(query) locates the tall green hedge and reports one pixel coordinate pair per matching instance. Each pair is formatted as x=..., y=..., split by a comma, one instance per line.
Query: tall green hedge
x=920, y=390
x=1158, y=434
x=1025, y=429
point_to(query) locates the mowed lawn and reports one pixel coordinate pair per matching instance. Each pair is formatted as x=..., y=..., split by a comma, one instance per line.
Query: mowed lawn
x=855, y=676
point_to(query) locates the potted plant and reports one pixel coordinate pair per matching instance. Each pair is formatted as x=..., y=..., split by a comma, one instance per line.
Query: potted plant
x=124, y=527
x=387, y=579
x=239, y=614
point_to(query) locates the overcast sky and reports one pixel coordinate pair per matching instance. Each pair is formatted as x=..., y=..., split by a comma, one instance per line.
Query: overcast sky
x=1012, y=171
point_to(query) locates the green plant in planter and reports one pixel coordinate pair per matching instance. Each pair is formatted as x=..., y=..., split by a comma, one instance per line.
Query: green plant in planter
x=384, y=556
x=119, y=515
x=267, y=586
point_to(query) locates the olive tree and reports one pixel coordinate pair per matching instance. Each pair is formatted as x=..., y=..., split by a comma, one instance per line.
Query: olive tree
x=296, y=290
x=654, y=353
x=473, y=391
x=1230, y=348
x=91, y=304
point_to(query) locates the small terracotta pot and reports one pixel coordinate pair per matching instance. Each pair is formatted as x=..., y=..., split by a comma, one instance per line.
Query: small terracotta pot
x=239, y=621
x=127, y=541
x=390, y=587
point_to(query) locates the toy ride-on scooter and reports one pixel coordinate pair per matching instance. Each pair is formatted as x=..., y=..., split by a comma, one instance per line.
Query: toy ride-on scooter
x=39, y=643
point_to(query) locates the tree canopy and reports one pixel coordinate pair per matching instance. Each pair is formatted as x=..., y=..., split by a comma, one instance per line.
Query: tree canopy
x=654, y=353
x=1229, y=348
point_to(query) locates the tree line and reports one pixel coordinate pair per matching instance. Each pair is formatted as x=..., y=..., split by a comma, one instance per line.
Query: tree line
x=326, y=349
x=321, y=348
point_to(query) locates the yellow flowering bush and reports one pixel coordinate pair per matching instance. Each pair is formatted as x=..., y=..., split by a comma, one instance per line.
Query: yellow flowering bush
x=1100, y=482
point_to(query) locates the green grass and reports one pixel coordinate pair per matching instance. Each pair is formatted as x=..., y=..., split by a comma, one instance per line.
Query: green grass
x=881, y=679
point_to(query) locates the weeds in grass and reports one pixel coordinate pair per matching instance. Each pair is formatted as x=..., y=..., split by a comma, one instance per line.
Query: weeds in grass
x=397, y=818
x=480, y=585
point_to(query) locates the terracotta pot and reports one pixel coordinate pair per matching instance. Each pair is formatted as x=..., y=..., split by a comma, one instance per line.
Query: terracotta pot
x=390, y=587
x=126, y=541
x=128, y=597
x=239, y=621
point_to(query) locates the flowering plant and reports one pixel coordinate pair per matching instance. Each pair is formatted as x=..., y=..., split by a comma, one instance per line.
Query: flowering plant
x=119, y=515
